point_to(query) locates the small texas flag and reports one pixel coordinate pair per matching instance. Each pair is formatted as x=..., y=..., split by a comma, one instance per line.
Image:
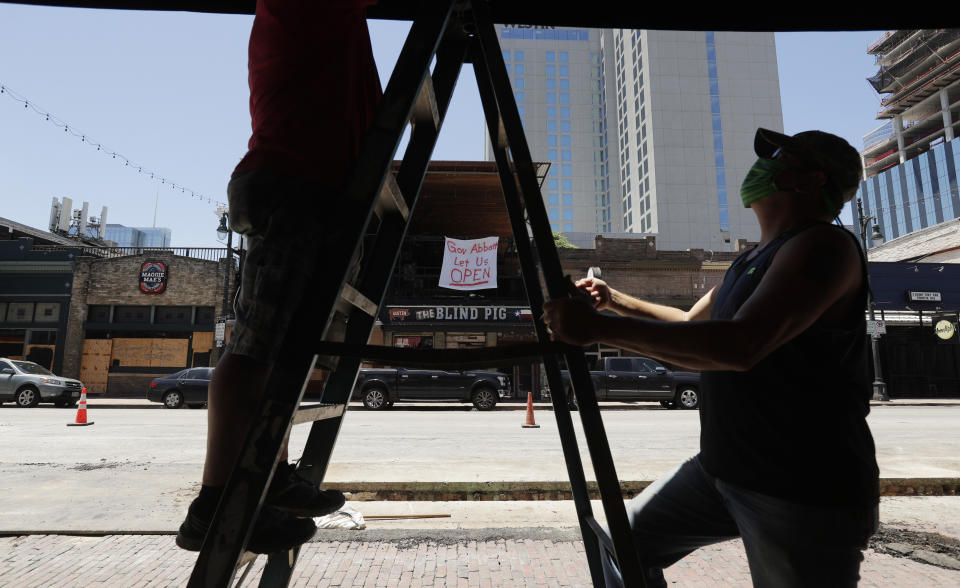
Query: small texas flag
x=523, y=313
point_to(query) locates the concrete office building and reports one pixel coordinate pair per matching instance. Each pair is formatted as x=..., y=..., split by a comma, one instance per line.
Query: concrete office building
x=912, y=161
x=648, y=132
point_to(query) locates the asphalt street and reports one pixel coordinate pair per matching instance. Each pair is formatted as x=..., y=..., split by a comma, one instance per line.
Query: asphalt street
x=137, y=468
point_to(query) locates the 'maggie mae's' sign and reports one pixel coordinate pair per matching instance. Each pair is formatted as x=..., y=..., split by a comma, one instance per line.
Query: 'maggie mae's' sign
x=153, y=277
x=469, y=264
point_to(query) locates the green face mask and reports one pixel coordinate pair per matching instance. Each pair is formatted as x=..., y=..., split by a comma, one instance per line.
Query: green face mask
x=760, y=180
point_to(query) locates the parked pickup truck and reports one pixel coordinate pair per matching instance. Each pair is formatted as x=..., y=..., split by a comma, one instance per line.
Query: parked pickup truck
x=381, y=388
x=641, y=378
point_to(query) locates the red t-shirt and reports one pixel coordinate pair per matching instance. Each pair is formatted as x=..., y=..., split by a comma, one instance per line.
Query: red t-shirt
x=314, y=87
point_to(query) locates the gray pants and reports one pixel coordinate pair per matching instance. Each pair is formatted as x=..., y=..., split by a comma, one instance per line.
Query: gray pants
x=787, y=544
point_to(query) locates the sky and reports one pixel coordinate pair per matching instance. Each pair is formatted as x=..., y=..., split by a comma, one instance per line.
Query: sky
x=168, y=93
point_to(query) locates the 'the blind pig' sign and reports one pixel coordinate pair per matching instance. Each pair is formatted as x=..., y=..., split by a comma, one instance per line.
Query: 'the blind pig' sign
x=469, y=264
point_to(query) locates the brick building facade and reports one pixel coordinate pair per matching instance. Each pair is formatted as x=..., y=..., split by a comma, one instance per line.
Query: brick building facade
x=119, y=335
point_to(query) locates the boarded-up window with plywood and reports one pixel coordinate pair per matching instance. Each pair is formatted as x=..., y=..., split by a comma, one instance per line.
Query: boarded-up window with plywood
x=202, y=344
x=94, y=364
x=134, y=352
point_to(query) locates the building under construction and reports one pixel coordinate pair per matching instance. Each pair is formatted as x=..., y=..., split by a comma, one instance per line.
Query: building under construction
x=912, y=161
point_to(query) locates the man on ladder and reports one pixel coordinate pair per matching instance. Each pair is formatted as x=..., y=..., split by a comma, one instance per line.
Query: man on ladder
x=785, y=385
x=314, y=89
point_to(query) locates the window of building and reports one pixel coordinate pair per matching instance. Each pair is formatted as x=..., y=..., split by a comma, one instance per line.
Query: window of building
x=552, y=154
x=564, y=70
x=551, y=56
x=564, y=98
x=20, y=312
x=551, y=83
x=38, y=337
x=551, y=140
x=173, y=315
x=518, y=69
x=551, y=126
x=566, y=155
x=506, y=55
x=564, y=84
x=568, y=227
x=566, y=169
x=522, y=110
x=47, y=312
x=553, y=213
x=551, y=70
x=568, y=199
x=131, y=314
x=553, y=184
x=519, y=96
x=552, y=199
x=554, y=226
x=551, y=97
x=551, y=112
x=518, y=55
x=98, y=314
x=205, y=315
x=567, y=185
x=564, y=112
x=563, y=57
x=518, y=83
x=564, y=126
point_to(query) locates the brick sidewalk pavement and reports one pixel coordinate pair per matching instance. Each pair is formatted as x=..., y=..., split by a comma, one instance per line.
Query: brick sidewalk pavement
x=129, y=561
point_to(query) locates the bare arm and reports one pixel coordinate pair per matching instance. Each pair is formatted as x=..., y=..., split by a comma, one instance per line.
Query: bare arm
x=604, y=297
x=812, y=273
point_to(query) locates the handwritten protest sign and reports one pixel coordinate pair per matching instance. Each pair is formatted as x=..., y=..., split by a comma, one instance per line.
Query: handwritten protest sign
x=469, y=264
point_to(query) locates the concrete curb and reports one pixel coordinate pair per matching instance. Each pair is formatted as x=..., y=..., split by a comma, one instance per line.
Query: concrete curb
x=560, y=490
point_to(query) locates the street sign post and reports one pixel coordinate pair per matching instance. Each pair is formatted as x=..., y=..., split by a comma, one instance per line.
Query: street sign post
x=876, y=327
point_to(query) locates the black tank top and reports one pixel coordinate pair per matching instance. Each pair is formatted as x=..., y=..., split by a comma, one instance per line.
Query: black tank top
x=794, y=426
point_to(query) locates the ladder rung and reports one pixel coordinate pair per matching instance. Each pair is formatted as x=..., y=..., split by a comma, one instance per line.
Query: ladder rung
x=391, y=199
x=354, y=297
x=425, y=108
x=318, y=412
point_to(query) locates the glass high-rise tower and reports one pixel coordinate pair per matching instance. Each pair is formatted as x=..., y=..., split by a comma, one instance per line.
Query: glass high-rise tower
x=647, y=132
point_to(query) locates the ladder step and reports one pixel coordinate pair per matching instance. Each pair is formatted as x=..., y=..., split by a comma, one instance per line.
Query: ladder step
x=425, y=109
x=354, y=297
x=391, y=199
x=318, y=412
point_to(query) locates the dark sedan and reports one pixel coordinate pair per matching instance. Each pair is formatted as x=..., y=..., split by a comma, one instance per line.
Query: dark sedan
x=184, y=387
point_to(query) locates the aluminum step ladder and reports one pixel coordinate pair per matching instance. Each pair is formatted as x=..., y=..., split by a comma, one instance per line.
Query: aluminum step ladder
x=380, y=205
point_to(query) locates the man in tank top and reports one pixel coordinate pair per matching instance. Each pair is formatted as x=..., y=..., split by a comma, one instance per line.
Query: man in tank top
x=786, y=462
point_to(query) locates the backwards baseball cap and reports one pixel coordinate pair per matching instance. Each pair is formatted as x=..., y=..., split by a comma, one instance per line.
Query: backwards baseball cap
x=823, y=151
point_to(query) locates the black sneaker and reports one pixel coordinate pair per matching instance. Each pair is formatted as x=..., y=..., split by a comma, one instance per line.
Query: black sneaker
x=294, y=494
x=274, y=531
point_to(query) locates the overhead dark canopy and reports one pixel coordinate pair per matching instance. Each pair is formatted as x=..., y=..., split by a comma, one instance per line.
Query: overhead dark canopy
x=808, y=16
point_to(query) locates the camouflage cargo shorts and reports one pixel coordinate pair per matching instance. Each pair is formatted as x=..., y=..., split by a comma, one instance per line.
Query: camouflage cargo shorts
x=291, y=227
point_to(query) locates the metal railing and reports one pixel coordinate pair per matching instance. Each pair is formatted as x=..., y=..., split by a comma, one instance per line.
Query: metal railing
x=204, y=253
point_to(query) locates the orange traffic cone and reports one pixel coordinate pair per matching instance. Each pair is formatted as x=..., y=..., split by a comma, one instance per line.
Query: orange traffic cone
x=81, y=411
x=530, y=424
